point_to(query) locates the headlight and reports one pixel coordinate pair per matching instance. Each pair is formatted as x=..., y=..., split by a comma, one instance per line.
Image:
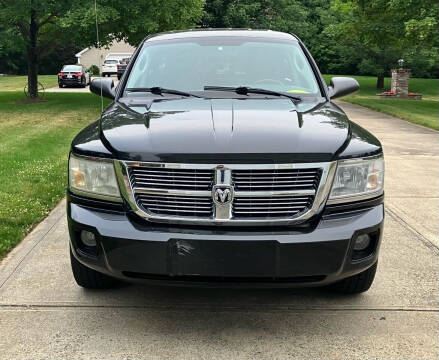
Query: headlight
x=93, y=177
x=357, y=180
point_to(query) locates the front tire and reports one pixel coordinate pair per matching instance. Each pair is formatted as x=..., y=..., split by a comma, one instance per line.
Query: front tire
x=358, y=283
x=89, y=278
x=60, y=85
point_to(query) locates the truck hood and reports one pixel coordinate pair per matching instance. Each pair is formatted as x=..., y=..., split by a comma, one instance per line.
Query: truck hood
x=224, y=130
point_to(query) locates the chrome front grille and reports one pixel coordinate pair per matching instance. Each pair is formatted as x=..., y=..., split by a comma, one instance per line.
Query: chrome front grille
x=268, y=194
x=166, y=178
x=270, y=206
x=276, y=179
x=176, y=205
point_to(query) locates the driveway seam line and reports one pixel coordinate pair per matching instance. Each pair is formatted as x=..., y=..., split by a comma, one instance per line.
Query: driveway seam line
x=423, y=239
x=4, y=307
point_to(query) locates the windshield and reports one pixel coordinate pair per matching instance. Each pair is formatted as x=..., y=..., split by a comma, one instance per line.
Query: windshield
x=191, y=64
x=71, y=68
x=106, y=62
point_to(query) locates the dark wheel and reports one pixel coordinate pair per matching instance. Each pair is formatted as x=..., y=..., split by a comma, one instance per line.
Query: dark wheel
x=89, y=278
x=60, y=85
x=356, y=284
x=118, y=77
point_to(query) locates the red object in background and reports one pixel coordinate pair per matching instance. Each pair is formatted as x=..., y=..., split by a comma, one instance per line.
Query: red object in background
x=78, y=74
x=60, y=74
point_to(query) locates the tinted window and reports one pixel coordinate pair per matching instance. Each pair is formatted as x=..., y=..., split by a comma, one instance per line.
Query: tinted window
x=191, y=64
x=110, y=62
x=72, y=68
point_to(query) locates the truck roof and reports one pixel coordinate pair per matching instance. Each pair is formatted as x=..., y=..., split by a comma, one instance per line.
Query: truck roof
x=197, y=33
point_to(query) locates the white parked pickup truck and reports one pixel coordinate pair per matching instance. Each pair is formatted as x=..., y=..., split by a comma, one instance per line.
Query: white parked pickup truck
x=111, y=61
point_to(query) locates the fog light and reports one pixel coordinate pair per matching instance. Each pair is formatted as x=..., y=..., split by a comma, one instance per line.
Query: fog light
x=88, y=238
x=362, y=242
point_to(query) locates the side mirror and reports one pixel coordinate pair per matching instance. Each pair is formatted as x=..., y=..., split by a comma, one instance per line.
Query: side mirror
x=341, y=86
x=107, y=86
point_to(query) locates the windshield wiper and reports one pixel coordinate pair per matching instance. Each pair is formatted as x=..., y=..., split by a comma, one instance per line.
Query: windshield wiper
x=244, y=90
x=157, y=90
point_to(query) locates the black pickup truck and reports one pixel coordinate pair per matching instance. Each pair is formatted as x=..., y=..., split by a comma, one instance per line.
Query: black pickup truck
x=222, y=161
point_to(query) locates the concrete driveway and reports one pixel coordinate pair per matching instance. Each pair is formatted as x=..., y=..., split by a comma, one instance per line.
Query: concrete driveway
x=44, y=315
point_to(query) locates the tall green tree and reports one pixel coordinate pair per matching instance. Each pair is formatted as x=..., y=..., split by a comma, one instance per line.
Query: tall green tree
x=383, y=31
x=280, y=15
x=44, y=25
x=307, y=19
x=30, y=19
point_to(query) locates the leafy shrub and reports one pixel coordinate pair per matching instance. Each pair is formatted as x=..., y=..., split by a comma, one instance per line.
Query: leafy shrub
x=94, y=70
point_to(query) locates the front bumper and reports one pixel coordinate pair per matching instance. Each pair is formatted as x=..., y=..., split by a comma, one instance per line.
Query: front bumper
x=112, y=70
x=132, y=249
x=72, y=81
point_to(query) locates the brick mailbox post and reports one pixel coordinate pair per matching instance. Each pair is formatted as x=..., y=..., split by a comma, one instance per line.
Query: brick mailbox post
x=400, y=82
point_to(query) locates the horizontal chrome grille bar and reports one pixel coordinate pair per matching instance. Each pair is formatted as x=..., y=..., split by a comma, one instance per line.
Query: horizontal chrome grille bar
x=275, y=199
x=194, y=207
x=172, y=192
x=172, y=183
x=181, y=210
x=267, y=204
x=170, y=171
x=274, y=185
x=266, y=208
x=271, y=178
x=274, y=193
x=265, y=212
x=179, y=201
x=161, y=176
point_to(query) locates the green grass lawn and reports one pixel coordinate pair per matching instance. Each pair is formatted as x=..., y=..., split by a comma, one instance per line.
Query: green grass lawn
x=17, y=83
x=422, y=112
x=34, y=145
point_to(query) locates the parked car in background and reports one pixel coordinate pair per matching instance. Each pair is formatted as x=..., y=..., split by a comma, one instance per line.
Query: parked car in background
x=223, y=159
x=111, y=61
x=109, y=67
x=121, y=67
x=73, y=75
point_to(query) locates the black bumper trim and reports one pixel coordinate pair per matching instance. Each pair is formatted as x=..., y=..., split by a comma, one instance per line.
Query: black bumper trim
x=224, y=279
x=355, y=206
x=94, y=203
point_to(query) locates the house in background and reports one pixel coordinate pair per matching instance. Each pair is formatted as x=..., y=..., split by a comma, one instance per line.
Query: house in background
x=95, y=56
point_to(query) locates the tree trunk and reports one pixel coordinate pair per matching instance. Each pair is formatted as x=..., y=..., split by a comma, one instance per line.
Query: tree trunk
x=32, y=54
x=380, y=81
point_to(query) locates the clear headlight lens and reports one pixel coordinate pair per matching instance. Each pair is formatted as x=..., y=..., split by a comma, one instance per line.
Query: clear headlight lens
x=358, y=178
x=93, y=177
